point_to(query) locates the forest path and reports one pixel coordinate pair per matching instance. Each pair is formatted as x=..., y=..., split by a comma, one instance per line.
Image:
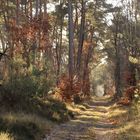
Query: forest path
x=96, y=119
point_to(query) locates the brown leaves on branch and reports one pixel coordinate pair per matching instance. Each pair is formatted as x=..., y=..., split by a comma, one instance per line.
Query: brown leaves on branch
x=86, y=46
x=128, y=77
x=128, y=96
x=28, y=33
x=124, y=101
x=67, y=92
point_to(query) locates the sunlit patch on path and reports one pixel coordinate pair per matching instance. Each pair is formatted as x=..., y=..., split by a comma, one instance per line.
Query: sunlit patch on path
x=97, y=119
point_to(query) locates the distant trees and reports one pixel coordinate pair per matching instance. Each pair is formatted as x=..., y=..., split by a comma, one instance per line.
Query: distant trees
x=53, y=43
x=125, y=27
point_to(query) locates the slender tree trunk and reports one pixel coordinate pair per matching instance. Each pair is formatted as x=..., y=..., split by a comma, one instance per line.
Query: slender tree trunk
x=81, y=38
x=45, y=7
x=59, y=44
x=37, y=6
x=118, y=93
x=40, y=6
x=75, y=31
x=71, y=43
x=86, y=82
x=17, y=12
x=60, y=48
x=30, y=9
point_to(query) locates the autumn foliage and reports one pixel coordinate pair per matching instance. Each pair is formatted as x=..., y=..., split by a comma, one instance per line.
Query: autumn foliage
x=28, y=33
x=128, y=95
x=70, y=93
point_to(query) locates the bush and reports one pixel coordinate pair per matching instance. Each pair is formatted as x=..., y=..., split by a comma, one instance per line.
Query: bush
x=28, y=86
x=20, y=130
x=43, y=86
x=66, y=90
x=22, y=85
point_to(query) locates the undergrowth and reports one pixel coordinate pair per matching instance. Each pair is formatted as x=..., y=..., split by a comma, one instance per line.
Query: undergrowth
x=132, y=125
x=29, y=118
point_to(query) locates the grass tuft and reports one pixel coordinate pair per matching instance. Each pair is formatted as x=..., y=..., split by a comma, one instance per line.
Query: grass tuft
x=5, y=136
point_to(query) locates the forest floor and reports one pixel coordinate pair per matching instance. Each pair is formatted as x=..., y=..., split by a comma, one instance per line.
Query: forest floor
x=99, y=119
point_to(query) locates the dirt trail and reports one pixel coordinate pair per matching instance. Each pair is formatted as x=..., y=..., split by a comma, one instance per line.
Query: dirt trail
x=92, y=121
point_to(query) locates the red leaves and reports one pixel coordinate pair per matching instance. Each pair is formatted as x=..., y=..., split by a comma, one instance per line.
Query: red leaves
x=68, y=91
x=129, y=77
x=124, y=101
x=86, y=45
x=128, y=96
x=64, y=83
x=66, y=88
x=75, y=92
x=113, y=121
x=129, y=93
x=27, y=32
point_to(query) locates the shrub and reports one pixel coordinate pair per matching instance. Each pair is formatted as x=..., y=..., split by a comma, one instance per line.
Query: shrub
x=23, y=85
x=67, y=92
x=20, y=129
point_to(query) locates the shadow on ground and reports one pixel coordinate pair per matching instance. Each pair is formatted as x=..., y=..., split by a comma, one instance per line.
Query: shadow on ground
x=97, y=119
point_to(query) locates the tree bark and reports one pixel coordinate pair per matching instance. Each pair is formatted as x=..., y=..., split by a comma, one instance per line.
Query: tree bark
x=71, y=37
x=81, y=38
x=118, y=93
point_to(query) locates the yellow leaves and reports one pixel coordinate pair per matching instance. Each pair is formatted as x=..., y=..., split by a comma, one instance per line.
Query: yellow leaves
x=120, y=35
x=136, y=91
x=56, y=116
x=134, y=60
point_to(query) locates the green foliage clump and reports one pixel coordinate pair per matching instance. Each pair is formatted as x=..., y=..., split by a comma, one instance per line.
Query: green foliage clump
x=20, y=130
x=28, y=86
x=25, y=127
x=23, y=85
x=48, y=108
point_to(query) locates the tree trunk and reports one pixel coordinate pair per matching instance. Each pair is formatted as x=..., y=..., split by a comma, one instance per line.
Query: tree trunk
x=17, y=12
x=86, y=81
x=117, y=76
x=71, y=37
x=81, y=38
x=37, y=7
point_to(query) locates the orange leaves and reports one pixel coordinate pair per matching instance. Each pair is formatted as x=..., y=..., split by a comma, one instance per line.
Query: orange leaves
x=113, y=121
x=65, y=88
x=124, y=101
x=127, y=77
x=86, y=45
x=27, y=33
x=128, y=96
x=68, y=91
x=129, y=93
x=64, y=82
x=74, y=92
